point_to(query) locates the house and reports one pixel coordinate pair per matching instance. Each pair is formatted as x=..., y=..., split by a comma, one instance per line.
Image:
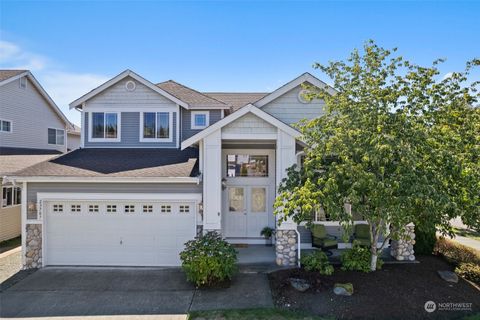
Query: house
x=32, y=130
x=160, y=164
x=73, y=134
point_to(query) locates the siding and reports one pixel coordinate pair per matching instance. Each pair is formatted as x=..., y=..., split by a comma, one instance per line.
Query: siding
x=10, y=222
x=288, y=109
x=130, y=134
x=31, y=116
x=187, y=132
x=73, y=141
x=250, y=124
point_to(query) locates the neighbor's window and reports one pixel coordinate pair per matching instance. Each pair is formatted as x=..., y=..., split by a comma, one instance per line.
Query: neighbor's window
x=11, y=196
x=156, y=125
x=5, y=126
x=200, y=119
x=56, y=136
x=243, y=165
x=104, y=125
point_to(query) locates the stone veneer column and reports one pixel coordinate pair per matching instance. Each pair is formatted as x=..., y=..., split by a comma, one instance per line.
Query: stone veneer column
x=402, y=249
x=33, y=242
x=286, y=247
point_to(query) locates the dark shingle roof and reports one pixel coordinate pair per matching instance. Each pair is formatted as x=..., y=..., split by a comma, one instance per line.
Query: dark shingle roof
x=119, y=162
x=6, y=74
x=14, y=159
x=236, y=100
x=188, y=95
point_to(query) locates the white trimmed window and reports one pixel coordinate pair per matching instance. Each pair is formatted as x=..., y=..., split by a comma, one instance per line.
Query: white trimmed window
x=111, y=208
x=156, y=126
x=56, y=136
x=93, y=208
x=200, y=119
x=184, y=209
x=104, y=126
x=5, y=126
x=147, y=208
x=11, y=196
x=165, y=208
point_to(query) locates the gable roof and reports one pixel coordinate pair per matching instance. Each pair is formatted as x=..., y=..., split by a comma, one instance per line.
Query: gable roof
x=234, y=116
x=191, y=96
x=306, y=77
x=237, y=100
x=127, y=73
x=7, y=76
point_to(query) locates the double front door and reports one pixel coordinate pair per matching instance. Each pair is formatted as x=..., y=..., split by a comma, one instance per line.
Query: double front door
x=247, y=210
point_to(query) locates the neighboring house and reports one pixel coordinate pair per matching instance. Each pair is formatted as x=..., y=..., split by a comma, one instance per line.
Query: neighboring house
x=159, y=164
x=74, y=140
x=32, y=130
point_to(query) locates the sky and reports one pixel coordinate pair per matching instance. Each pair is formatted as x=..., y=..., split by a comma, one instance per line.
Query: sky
x=72, y=47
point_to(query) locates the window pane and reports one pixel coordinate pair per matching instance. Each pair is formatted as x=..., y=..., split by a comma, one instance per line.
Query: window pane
x=236, y=201
x=242, y=165
x=5, y=126
x=52, y=136
x=8, y=196
x=149, y=125
x=4, y=197
x=200, y=120
x=60, y=137
x=98, y=129
x=258, y=200
x=18, y=195
x=111, y=125
x=163, y=130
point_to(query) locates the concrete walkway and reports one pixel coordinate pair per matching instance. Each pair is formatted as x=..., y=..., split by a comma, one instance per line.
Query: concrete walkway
x=78, y=292
x=10, y=263
x=469, y=242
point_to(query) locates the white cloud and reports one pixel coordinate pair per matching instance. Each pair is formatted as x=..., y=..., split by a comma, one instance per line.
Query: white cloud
x=63, y=86
x=447, y=75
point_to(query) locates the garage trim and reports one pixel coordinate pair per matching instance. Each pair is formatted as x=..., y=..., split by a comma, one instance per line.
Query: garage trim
x=42, y=197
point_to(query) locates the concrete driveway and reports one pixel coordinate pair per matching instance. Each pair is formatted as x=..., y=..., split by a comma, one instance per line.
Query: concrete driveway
x=54, y=292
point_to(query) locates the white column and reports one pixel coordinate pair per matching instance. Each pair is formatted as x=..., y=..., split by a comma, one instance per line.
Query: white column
x=285, y=158
x=212, y=181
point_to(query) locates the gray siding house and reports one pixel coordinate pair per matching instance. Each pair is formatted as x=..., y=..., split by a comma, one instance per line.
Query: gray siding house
x=159, y=164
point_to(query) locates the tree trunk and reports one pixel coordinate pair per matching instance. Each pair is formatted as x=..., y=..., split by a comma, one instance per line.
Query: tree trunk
x=373, y=261
x=373, y=248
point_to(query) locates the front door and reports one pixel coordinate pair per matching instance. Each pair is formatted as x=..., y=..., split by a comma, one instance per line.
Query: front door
x=247, y=212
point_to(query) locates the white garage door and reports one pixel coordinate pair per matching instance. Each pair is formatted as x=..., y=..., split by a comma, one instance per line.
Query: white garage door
x=117, y=233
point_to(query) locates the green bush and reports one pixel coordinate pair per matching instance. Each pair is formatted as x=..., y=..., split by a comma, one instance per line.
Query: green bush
x=425, y=239
x=317, y=261
x=455, y=252
x=469, y=271
x=208, y=260
x=358, y=259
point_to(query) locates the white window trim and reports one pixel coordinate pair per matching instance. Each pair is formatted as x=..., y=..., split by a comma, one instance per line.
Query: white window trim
x=20, y=80
x=56, y=137
x=11, y=126
x=192, y=119
x=119, y=127
x=170, y=127
x=14, y=197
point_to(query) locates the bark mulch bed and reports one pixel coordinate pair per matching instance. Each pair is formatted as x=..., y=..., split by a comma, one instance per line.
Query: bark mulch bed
x=398, y=291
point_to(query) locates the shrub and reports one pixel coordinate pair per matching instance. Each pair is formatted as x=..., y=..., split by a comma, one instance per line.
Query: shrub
x=469, y=271
x=317, y=261
x=455, y=252
x=208, y=260
x=358, y=259
x=425, y=239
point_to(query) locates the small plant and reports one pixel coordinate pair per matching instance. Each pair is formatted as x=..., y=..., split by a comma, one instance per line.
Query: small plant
x=266, y=232
x=358, y=259
x=469, y=271
x=208, y=260
x=317, y=261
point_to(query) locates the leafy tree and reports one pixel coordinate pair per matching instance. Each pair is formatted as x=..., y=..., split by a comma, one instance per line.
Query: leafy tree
x=396, y=142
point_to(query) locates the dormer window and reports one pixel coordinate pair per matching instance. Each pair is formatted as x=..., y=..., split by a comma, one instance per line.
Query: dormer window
x=156, y=127
x=104, y=126
x=200, y=120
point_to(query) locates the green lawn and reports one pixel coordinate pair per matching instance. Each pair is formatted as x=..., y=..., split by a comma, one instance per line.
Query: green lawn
x=252, y=314
x=467, y=233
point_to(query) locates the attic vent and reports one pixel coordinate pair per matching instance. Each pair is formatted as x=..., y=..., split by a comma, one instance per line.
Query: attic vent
x=23, y=82
x=301, y=96
x=130, y=86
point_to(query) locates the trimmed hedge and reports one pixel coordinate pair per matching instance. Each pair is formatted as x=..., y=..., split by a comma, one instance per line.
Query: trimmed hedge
x=465, y=258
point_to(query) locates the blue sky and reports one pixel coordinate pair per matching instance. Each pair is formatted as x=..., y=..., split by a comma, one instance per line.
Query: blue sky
x=72, y=47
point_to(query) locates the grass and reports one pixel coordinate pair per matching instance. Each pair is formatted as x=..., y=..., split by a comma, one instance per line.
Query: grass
x=467, y=233
x=252, y=314
x=10, y=244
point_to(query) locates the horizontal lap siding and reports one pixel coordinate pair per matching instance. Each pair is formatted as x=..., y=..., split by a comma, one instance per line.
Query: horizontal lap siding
x=250, y=124
x=290, y=110
x=10, y=222
x=187, y=131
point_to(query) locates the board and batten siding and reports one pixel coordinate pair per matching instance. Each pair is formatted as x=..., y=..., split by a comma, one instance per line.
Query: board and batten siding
x=130, y=133
x=288, y=109
x=30, y=116
x=186, y=128
x=249, y=124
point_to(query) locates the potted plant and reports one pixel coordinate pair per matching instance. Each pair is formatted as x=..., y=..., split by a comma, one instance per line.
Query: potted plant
x=267, y=233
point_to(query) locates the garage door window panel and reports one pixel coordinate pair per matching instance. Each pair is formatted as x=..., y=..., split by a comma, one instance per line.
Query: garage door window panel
x=75, y=208
x=111, y=208
x=93, y=208
x=184, y=209
x=129, y=208
x=166, y=208
x=58, y=208
x=147, y=208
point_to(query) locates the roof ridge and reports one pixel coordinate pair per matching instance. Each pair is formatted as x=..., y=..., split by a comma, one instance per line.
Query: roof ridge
x=237, y=92
x=192, y=90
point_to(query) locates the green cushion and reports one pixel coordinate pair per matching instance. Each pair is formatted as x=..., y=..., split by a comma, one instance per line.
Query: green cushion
x=362, y=231
x=319, y=231
x=324, y=243
x=363, y=242
x=330, y=242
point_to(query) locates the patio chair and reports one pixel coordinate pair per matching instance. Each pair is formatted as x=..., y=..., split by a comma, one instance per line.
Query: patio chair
x=322, y=240
x=361, y=234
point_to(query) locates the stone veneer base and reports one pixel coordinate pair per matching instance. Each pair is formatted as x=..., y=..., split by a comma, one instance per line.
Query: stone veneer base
x=402, y=249
x=33, y=252
x=286, y=247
